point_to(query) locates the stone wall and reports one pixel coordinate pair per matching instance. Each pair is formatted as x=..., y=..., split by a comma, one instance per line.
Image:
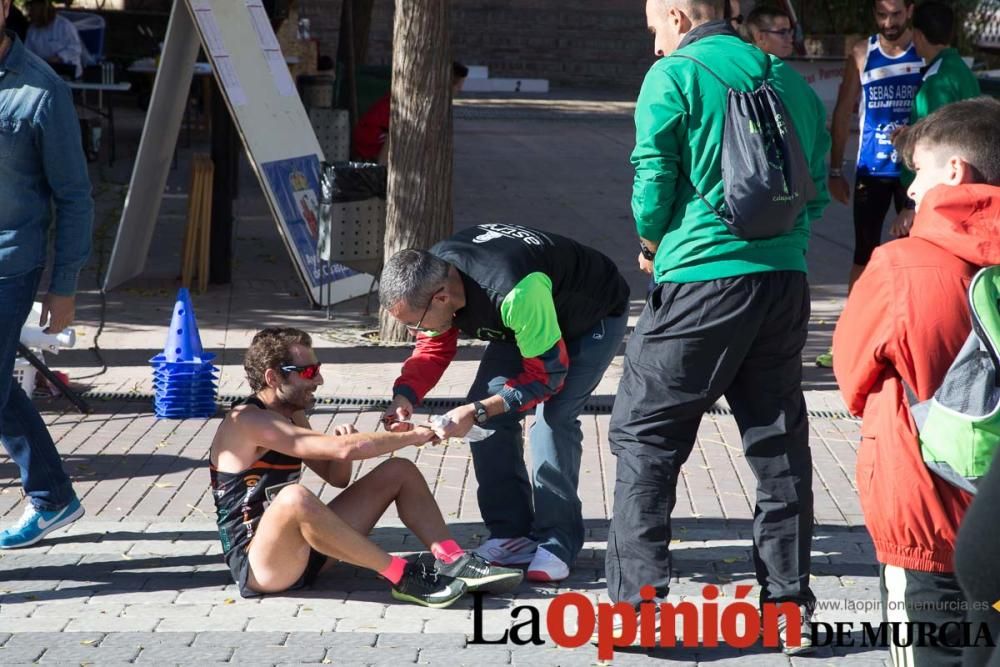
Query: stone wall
x=578, y=43
x=596, y=44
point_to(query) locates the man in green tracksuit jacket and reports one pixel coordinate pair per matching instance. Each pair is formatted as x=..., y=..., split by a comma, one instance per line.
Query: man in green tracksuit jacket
x=946, y=79
x=727, y=316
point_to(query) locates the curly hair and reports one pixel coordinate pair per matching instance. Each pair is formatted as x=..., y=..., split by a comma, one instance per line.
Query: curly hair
x=271, y=348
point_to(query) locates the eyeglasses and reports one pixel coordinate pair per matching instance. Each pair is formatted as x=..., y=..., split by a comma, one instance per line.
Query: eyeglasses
x=305, y=372
x=418, y=328
x=784, y=33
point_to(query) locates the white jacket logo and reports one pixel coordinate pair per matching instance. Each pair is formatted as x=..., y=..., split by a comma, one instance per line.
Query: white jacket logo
x=494, y=231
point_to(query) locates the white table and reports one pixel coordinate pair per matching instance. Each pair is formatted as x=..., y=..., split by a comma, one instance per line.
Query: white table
x=109, y=113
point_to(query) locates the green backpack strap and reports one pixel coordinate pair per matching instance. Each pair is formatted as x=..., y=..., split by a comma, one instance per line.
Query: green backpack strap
x=959, y=428
x=984, y=302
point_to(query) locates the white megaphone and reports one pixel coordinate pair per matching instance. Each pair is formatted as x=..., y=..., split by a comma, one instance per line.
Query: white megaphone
x=34, y=336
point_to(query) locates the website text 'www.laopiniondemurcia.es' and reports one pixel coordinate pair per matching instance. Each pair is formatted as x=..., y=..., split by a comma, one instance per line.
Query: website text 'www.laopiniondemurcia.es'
x=736, y=621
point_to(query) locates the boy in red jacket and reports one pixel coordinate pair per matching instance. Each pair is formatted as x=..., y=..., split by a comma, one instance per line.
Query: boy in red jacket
x=905, y=320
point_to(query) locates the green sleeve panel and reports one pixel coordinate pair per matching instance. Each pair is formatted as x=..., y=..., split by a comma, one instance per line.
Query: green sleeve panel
x=949, y=81
x=930, y=98
x=952, y=82
x=659, y=116
x=530, y=312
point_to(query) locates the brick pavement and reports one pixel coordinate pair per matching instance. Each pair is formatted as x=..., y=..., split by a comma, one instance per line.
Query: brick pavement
x=140, y=579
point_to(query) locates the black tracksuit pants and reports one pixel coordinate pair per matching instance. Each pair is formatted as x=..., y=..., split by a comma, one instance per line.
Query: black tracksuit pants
x=741, y=338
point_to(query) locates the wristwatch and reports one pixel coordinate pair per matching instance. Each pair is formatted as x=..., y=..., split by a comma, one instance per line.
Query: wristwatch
x=481, y=414
x=836, y=172
x=646, y=252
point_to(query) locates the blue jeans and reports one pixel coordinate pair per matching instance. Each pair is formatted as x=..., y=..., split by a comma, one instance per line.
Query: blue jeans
x=547, y=506
x=22, y=431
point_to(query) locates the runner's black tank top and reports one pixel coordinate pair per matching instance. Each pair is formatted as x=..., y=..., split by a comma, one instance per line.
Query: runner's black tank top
x=242, y=497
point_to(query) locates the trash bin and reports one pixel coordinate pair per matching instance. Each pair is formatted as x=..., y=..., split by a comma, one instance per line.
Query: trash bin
x=352, y=215
x=333, y=131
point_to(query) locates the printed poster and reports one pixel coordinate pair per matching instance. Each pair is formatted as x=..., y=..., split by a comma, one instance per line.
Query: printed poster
x=295, y=184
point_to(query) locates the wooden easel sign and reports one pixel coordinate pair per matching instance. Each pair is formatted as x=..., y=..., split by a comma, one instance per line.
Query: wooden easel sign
x=295, y=184
x=272, y=123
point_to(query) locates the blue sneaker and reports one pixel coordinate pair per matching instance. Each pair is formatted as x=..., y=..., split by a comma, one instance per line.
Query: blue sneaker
x=36, y=524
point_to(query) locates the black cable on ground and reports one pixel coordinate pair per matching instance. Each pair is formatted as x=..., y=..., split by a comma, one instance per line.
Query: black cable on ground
x=100, y=251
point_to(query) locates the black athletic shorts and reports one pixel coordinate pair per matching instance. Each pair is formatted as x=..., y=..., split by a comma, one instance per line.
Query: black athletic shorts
x=239, y=565
x=872, y=196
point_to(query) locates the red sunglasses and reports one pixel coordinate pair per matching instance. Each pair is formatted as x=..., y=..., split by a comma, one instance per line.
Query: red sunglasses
x=305, y=372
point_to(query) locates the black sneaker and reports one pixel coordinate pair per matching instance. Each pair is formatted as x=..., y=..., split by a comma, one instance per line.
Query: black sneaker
x=806, y=645
x=424, y=586
x=479, y=575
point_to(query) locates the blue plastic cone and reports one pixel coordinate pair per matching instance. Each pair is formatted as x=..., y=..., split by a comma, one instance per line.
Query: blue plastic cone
x=183, y=341
x=160, y=362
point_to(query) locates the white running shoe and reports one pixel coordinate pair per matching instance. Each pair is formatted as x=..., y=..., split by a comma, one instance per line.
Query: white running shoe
x=508, y=550
x=546, y=567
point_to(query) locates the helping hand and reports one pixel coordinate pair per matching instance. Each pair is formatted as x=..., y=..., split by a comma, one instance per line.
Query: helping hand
x=456, y=423
x=397, y=416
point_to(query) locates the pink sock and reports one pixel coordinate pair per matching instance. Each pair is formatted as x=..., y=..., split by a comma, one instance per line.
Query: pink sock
x=447, y=552
x=394, y=571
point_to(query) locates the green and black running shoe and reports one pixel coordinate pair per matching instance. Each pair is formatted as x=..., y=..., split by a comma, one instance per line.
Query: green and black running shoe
x=479, y=575
x=423, y=585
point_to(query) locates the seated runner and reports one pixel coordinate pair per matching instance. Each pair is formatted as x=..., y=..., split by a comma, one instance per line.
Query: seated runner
x=277, y=535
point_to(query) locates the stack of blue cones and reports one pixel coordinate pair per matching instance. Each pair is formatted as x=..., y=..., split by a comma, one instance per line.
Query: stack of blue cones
x=184, y=379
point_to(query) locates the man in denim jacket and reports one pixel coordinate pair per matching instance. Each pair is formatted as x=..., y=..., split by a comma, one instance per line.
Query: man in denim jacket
x=43, y=175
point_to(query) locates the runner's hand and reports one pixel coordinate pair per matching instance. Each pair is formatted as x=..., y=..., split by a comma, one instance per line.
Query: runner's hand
x=344, y=429
x=429, y=434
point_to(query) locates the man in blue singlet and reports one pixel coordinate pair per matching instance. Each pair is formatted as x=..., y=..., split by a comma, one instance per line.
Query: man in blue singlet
x=881, y=78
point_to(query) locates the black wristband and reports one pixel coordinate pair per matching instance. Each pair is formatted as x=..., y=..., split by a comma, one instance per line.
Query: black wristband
x=481, y=416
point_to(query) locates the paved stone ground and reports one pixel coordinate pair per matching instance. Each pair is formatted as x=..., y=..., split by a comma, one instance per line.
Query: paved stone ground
x=140, y=579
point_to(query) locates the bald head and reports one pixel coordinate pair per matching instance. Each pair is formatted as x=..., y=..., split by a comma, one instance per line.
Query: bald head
x=670, y=20
x=698, y=11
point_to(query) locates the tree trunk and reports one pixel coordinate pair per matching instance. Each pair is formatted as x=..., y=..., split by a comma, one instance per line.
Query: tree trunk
x=419, y=212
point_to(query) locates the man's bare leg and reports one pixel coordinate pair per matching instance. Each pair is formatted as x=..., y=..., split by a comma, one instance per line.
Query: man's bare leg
x=295, y=521
x=363, y=503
